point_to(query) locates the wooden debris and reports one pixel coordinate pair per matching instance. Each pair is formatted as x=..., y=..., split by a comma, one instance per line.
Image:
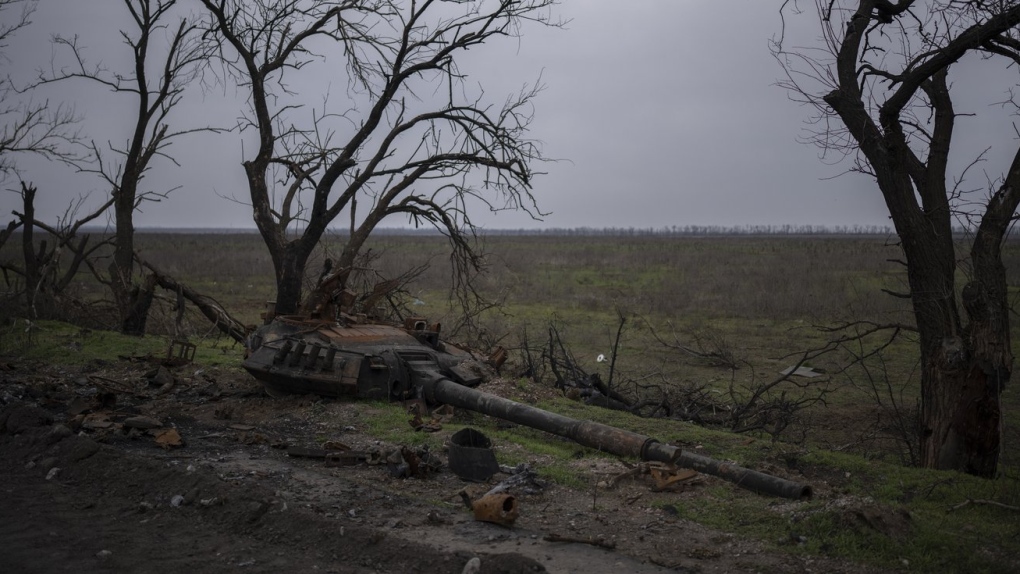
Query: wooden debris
x=169, y=438
x=665, y=476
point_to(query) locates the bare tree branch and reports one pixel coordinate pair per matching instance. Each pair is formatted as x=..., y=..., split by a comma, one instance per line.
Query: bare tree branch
x=29, y=127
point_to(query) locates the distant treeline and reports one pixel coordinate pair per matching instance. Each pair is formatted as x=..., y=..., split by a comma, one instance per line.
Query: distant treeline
x=672, y=231
x=703, y=230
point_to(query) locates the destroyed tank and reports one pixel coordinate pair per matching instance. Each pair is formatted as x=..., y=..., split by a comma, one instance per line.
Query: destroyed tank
x=295, y=354
x=328, y=351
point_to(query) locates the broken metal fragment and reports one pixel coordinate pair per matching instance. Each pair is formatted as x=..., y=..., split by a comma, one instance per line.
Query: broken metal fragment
x=499, y=509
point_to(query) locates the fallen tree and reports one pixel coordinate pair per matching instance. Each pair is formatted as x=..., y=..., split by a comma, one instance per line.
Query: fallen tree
x=209, y=307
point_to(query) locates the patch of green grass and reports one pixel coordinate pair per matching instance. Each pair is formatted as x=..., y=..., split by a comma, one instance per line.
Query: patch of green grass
x=390, y=422
x=886, y=515
x=565, y=475
x=59, y=343
x=917, y=537
x=221, y=352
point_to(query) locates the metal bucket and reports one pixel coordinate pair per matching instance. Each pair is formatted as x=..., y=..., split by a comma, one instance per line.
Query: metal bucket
x=471, y=457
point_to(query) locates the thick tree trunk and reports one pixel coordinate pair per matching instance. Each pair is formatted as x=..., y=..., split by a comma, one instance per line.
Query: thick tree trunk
x=964, y=367
x=288, y=287
x=290, y=273
x=289, y=256
x=968, y=413
x=139, y=301
x=960, y=415
x=133, y=301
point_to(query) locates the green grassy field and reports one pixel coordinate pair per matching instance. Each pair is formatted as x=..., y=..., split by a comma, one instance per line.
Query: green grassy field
x=761, y=302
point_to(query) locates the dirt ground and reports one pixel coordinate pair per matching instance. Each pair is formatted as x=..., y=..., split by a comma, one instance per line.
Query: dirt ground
x=213, y=486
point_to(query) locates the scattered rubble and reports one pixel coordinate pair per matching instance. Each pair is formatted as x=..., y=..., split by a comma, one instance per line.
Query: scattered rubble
x=239, y=490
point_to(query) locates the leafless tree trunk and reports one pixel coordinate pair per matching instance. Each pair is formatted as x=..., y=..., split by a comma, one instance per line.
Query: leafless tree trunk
x=881, y=88
x=28, y=254
x=393, y=152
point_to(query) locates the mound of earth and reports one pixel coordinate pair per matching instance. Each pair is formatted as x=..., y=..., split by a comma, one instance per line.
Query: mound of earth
x=131, y=468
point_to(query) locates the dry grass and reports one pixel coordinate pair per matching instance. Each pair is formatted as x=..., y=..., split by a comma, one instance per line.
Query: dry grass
x=759, y=299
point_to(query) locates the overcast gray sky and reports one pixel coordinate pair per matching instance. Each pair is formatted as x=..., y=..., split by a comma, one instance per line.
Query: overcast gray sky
x=662, y=112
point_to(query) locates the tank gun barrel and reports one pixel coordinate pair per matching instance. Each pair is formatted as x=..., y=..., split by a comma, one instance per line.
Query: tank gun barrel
x=439, y=389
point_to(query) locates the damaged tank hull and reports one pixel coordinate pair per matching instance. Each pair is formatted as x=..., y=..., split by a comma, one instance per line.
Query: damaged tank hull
x=367, y=361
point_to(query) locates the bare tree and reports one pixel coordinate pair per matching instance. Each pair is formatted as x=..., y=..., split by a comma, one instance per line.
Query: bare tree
x=45, y=275
x=411, y=143
x=170, y=46
x=29, y=127
x=881, y=86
